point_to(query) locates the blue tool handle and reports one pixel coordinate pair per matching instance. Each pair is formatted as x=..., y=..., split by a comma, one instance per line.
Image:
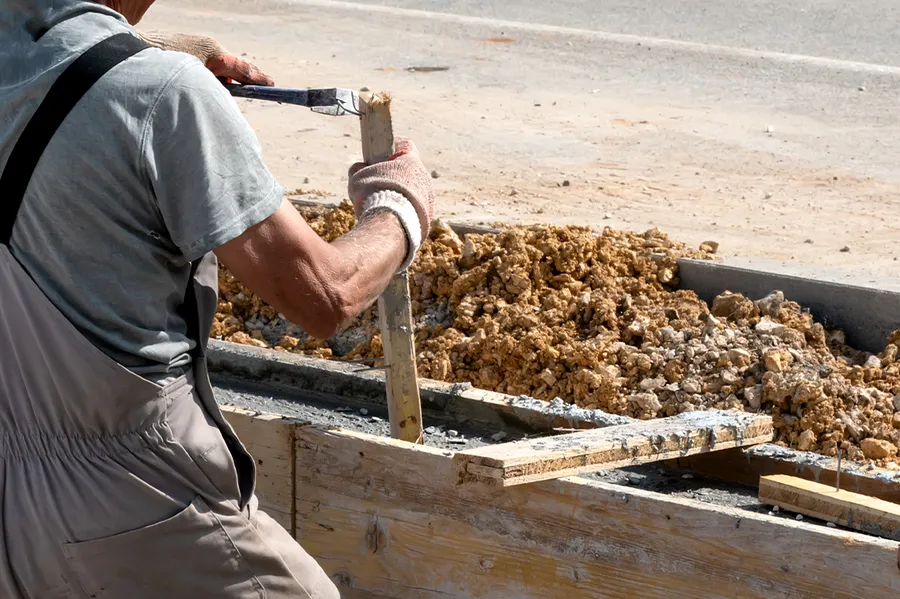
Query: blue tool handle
x=300, y=97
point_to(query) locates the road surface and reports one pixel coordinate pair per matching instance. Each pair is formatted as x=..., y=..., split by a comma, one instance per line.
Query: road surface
x=769, y=127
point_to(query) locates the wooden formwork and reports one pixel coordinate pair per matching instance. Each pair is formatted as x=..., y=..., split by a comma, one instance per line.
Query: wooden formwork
x=387, y=518
x=740, y=465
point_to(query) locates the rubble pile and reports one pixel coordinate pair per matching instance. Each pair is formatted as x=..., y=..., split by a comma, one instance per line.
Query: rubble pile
x=597, y=319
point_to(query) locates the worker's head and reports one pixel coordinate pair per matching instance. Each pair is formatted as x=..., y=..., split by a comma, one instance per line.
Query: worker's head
x=132, y=10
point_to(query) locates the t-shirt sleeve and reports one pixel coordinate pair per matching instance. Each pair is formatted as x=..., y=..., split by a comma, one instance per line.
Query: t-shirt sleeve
x=205, y=164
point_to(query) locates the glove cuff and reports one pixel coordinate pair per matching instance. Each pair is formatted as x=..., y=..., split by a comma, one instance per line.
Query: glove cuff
x=397, y=203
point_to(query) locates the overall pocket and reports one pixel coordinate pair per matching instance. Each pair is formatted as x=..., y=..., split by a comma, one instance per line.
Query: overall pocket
x=196, y=434
x=187, y=556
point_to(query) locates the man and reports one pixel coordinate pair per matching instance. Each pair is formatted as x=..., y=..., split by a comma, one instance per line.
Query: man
x=125, y=171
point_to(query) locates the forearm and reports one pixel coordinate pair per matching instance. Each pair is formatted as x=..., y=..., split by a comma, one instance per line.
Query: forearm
x=319, y=286
x=322, y=286
x=367, y=257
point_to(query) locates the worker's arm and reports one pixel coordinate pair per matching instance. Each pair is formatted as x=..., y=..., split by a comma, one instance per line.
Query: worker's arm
x=321, y=286
x=213, y=192
x=317, y=285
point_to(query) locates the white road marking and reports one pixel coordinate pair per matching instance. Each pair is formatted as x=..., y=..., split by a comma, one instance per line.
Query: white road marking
x=621, y=38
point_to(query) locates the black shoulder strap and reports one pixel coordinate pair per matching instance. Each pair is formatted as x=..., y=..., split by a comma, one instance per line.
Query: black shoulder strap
x=65, y=93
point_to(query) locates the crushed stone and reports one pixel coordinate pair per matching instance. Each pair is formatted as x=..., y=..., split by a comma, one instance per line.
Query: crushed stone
x=549, y=312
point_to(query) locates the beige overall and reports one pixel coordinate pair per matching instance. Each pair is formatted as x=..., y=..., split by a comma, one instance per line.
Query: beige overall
x=111, y=486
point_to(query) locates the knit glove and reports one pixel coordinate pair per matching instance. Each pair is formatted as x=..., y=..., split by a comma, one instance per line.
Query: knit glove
x=402, y=185
x=210, y=53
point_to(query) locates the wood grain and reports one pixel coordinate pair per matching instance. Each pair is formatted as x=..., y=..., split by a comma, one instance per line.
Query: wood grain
x=394, y=306
x=859, y=512
x=533, y=460
x=270, y=440
x=371, y=508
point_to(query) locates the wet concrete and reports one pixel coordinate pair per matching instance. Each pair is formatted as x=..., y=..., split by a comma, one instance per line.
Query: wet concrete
x=349, y=413
x=451, y=434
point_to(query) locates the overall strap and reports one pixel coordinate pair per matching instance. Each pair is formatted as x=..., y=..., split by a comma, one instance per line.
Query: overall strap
x=64, y=94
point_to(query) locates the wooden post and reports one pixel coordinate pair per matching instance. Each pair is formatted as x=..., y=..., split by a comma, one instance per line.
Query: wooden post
x=394, y=306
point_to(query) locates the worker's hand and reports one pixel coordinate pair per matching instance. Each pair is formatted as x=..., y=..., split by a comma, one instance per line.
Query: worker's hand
x=404, y=173
x=211, y=53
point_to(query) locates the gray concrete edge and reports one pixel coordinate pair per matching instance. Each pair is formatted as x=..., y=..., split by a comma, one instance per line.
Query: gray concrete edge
x=334, y=378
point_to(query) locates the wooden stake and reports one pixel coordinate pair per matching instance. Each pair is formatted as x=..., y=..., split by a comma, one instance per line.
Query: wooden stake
x=533, y=460
x=866, y=514
x=394, y=306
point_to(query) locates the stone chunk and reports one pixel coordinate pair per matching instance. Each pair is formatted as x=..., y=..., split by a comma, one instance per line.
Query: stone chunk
x=877, y=449
x=771, y=304
x=806, y=441
x=646, y=401
x=777, y=359
x=770, y=327
x=754, y=395
x=740, y=358
x=733, y=306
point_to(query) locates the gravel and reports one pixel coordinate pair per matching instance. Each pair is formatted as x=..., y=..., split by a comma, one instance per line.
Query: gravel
x=589, y=321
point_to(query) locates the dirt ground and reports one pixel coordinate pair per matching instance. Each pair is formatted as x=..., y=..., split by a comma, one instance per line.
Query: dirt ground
x=529, y=131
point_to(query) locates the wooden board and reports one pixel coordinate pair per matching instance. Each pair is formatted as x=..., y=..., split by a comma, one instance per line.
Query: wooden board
x=270, y=440
x=534, y=460
x=745, y=466
x=369, y=508
x=866, y=514
x=394, y=306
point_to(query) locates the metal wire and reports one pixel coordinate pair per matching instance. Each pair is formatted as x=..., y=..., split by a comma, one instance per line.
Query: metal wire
x=838, y=485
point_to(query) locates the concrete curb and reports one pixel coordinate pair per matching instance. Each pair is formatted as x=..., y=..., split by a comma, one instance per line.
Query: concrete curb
x=463, y=401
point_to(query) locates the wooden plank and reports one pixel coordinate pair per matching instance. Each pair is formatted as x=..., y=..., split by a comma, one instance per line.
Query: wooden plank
x=394, y=305
x=534, y=460
x=270, y=440
x=865, y=514
x=368, y=507
x=455, y=559
x=745, y=466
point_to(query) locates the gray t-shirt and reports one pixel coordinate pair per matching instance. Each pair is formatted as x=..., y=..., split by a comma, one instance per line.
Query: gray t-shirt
x=154, y=167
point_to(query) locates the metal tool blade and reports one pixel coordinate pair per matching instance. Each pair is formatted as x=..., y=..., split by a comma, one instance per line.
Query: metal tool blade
x=332, y=101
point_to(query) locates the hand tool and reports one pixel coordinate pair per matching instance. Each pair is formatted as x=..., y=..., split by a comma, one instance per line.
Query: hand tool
x=394, y=305
x=333, y=101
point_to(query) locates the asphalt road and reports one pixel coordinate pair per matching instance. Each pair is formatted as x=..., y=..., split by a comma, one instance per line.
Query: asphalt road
x=863, y=31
